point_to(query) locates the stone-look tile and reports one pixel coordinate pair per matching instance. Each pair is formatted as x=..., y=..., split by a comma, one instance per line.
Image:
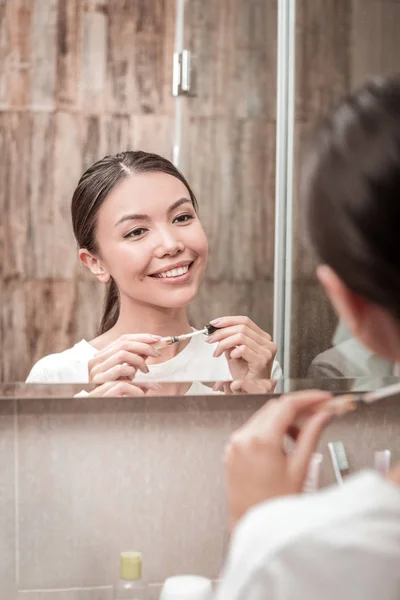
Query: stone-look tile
x=233, y=45
x=322, y=55
x=313, y=325
x=230, y=164
x=100, y=477
x=216, y=299
x=72, y=594
x=8, y=565
x=380, y=22
x=368, y=430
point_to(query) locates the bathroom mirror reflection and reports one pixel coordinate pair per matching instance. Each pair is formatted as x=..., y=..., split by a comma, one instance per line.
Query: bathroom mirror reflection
x=196, y=82
x=106, y=87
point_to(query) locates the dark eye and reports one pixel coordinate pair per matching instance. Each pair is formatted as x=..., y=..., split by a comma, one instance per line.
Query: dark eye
x=183, y=218
x=135, y=232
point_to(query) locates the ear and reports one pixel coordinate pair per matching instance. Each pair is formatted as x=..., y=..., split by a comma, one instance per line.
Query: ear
x=350, y=306
x=94, y=265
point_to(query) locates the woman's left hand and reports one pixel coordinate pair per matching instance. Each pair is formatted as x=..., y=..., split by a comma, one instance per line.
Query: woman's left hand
x=249, y=350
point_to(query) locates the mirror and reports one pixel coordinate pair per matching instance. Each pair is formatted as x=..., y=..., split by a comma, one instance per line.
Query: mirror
x=100, y=81
x=337, y=49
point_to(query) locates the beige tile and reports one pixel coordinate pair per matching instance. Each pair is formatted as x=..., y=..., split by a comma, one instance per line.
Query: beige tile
x=7, y=501
x=100, y=477
x=369, y=430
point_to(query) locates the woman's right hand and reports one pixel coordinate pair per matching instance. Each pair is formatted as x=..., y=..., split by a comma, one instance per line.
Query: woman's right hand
x=121, y=359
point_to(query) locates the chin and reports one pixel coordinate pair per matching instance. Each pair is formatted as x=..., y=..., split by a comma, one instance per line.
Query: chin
x=178, y=300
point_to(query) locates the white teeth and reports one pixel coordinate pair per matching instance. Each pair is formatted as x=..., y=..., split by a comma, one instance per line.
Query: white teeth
x=174, y=272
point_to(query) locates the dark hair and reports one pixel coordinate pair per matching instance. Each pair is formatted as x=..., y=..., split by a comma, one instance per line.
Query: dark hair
x=93, y=188
x=351, y=187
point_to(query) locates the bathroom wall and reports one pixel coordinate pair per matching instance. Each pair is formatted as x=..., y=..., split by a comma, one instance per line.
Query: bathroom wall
x=81, y=480
x=339, y=43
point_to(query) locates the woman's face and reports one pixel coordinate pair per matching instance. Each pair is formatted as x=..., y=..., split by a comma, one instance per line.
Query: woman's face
x=151, y=241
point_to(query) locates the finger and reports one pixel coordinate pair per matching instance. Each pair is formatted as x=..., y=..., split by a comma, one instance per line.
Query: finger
x=117, y=389
x=122, y=358
x=123, y=346
x=306, y=444
x=238, y=320
x=218, y=386
x=253, y=386
x=113, y=374
x=226, y=332
x=257, y=360
x=274, y=420
x=239, y=339
x=289, y=408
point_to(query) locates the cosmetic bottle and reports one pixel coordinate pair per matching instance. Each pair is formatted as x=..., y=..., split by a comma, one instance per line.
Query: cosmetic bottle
x=130, y=585
x=187, y=587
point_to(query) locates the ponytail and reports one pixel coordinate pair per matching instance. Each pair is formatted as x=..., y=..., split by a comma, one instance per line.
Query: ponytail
x=111, y=308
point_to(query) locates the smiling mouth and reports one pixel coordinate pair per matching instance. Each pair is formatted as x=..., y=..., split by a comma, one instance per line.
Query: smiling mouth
x=173, y=273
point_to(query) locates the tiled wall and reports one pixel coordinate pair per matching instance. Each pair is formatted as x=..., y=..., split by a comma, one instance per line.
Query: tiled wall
x=81, y=480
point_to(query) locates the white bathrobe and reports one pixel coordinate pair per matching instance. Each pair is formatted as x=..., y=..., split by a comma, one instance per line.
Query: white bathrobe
x=342, y=543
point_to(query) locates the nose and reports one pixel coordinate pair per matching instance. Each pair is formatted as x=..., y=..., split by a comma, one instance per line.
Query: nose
x=168, y=244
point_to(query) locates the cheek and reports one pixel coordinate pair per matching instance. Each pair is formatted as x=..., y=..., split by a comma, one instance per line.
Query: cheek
x=126, y=258
x=197, y=240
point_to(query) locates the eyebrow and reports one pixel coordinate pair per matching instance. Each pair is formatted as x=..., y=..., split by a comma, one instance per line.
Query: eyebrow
x=143, y=217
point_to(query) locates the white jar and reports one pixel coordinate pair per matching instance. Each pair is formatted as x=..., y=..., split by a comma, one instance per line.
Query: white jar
x=187, y=587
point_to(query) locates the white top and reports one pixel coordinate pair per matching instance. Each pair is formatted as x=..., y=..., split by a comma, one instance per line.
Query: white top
x=342, y=543
x=194, y=363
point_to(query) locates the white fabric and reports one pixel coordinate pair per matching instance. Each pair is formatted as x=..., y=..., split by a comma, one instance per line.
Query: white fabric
x=342, y=543
x=194, y=363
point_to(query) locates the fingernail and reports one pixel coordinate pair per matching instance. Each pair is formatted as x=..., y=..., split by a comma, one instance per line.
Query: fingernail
x=156, y=338
x=156, y=352
x=210, y=339
x=215, y=322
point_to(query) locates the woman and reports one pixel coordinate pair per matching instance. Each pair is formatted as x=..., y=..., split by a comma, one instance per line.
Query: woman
x=343, y=542
x=136, y=224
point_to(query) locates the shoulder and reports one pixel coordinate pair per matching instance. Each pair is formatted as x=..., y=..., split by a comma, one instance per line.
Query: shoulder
x=69, y=366
x=347, y=527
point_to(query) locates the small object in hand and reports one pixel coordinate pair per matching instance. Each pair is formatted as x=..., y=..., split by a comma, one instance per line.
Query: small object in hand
x=174, y=339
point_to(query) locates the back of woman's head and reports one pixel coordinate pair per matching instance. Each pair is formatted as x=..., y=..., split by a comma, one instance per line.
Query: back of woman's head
x=94, y=187
x=351, y=187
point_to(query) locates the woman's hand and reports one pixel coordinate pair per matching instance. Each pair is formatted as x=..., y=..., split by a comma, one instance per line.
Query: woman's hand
x=123, y=358
x=122, y=389
x=246, y=386
x=257, y=465
x=249, y=350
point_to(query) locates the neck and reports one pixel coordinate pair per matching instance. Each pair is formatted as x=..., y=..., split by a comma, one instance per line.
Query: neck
x=144, y=318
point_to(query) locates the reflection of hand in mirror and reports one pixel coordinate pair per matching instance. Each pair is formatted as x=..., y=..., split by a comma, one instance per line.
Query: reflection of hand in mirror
x=121, y=359
x=249, y=350
x=257, y=465
x=247, y=386
x=126, y=389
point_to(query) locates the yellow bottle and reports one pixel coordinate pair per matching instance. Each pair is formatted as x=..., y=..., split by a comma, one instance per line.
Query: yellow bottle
x=130, y=585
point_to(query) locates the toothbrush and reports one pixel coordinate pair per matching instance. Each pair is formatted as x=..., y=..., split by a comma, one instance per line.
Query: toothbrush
x=339, y=460
x=174, y=339
x=311, y=483
x=382, y=460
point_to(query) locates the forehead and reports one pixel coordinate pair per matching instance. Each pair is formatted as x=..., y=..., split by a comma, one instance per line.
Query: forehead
x=145, y=193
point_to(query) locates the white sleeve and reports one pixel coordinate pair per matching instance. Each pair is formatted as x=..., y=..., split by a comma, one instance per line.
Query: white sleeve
x=276, y=371
x=38, y=373
x=342, y=542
